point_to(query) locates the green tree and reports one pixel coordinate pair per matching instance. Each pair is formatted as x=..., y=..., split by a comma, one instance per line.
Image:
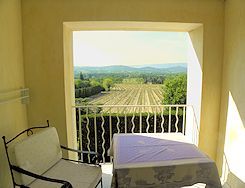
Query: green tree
x=77, y=83
x=107, y=83
x=94, y=82
x=174, y=89
x=81, y=83
x=81, y=76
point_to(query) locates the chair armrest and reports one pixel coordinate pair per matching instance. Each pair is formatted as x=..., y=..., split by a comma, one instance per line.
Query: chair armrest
x=66, y=184
x=79, y=151
x=95, y=159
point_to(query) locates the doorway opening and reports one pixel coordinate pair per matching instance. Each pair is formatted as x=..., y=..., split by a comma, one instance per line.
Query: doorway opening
x=131, y=98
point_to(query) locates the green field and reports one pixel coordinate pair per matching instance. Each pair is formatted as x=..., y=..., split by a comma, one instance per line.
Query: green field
x=131, y=94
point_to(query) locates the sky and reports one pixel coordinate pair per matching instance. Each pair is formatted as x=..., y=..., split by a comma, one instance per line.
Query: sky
x=103, y=48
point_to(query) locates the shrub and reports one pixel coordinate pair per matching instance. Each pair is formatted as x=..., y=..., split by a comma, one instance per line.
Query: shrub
x=174, y=89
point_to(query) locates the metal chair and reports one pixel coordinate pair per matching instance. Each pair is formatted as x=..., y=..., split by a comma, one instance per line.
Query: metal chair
x=36, y=162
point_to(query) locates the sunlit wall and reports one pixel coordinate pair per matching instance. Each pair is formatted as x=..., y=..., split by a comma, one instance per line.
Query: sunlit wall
x=235, y=140
x=194, y=82
x=232, y=113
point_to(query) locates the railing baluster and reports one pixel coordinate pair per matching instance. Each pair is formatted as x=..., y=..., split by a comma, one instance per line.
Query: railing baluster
x=132, y=120
x=110, y=127
x=177, y=120
x=95, y=133
x=183, y=123
x=125, y=121
x=162, y=123
x=118, y=122
x=103, y=137
x=80, y=133
x=88, y=144
x=147, y=121
x=196, y=133
x=169, y=120
x=140, y=119
x=193, y=130
x=155, y=120
x=110, y=124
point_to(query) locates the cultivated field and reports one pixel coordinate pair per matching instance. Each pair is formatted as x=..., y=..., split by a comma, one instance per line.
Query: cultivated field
x=131, y=94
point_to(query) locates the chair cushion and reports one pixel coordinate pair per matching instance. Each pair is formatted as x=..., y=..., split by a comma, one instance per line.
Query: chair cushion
x=79, y=175
x=37, y=153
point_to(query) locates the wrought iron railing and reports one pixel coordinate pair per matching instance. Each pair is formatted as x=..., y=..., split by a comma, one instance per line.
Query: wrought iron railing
x=96, y=124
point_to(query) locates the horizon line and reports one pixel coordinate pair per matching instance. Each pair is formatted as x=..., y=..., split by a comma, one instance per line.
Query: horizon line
x=135, y=66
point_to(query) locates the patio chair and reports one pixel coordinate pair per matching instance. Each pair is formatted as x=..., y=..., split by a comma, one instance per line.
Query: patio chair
x=37, y=162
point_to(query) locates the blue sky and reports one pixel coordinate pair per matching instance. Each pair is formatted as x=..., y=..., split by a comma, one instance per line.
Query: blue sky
x=102, y=48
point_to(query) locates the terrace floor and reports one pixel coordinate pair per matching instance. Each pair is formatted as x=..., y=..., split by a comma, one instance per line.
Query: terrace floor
x=107, y=177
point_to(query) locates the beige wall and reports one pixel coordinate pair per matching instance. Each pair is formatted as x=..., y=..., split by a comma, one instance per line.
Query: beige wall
x=232, y=114
x=12, y=115
x=43, y=50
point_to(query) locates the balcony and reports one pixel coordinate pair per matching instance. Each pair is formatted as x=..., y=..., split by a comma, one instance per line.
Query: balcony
x=96, y=125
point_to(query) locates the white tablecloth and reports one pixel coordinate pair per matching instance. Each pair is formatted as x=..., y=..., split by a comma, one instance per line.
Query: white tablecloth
x=160, y=160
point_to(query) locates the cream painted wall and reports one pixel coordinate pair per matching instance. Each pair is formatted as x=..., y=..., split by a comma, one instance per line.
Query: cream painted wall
x=43, y=51
x=232, y=114
x=194, y=81
x=12, y=115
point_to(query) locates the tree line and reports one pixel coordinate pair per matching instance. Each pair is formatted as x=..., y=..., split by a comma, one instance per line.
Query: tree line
x=174, y=85
x=85, y=87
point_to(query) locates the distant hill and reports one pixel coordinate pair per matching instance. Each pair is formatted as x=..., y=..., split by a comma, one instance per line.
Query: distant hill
x=163, y=68
x=168, y=65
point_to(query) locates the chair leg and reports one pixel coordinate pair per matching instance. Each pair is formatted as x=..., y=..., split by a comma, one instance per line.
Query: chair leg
x=101, y=183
